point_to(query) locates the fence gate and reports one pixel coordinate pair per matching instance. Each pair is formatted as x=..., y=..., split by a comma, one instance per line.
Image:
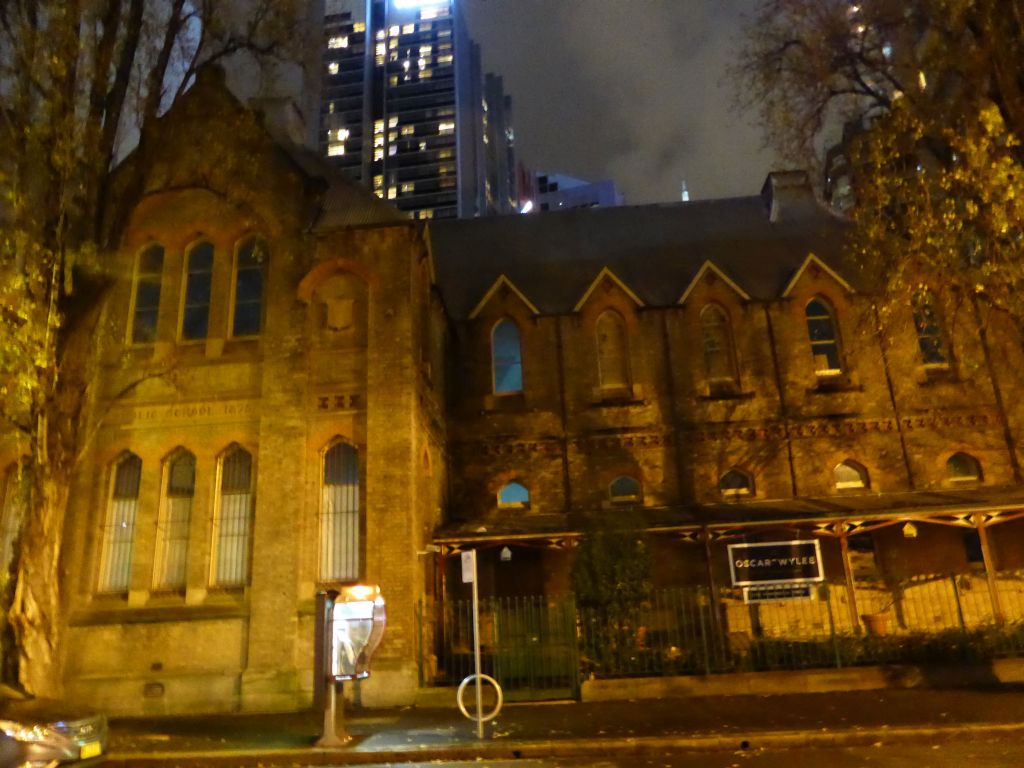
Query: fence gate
x=528, y=644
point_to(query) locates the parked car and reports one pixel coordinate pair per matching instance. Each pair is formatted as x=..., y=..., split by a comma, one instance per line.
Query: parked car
x=47, y=731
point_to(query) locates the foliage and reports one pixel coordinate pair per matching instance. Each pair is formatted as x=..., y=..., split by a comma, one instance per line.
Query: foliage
x=611, y=578
x=80, y=83
x=929, y=95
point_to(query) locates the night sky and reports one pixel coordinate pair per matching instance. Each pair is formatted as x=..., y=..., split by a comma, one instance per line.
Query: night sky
x=633, y=90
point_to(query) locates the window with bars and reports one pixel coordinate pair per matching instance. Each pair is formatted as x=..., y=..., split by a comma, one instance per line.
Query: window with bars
x=119, y=531
x=148, y=273
x=233, y=535
x=250, y=272
x=719, y=352
x=612, y=351
x=10, y=513
x=173, y=528
x=339, y=514
x=195, y=317
x=824, y=338
x=506, y=358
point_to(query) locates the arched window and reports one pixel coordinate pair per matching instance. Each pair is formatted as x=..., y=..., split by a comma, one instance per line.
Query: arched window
x=506, y=358
x=961, y=468
x=339, y=514
x=850, y=474
x=736, y=482
x=824, y=337
x=119, y=531
x=195, y=318
x=624, y=490
x=612, y=351
x=250, y=272
x=146, y=305
x=233, y=529
x=175, y=519
x=513, y=495
x=719, y=351
x=930, y=338
x=12, y=500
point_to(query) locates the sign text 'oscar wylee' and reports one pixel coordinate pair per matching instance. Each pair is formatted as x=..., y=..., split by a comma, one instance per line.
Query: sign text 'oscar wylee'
x=776, y=562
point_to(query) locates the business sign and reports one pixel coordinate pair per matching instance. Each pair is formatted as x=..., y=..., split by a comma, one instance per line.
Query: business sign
x=775, y=593
x=775, y=562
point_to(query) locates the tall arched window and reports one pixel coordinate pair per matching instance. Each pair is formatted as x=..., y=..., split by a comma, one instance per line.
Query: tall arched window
x=195, y=316
x=146, y=305
x=719, y=351
x=119, y=531
x=250, y=272
x=736, y=482
x=339, y=514
x=175, y=519
x=233, y=540
x=824, y=338
x=506, y=358
x=930, y=338
x=962, y=468
x=612, y=351
x=850, y=474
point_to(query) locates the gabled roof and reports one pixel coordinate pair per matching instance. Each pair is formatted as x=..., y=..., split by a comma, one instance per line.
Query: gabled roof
x=654, y=250
x=502, y=281
x=810, y=262
x=603, y=274
x=705, y=269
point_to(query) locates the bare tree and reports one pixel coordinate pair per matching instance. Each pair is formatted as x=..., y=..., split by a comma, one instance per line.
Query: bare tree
x=81, y=82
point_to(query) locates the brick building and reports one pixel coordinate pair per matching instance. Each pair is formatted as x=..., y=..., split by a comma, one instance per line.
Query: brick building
x=296, y=387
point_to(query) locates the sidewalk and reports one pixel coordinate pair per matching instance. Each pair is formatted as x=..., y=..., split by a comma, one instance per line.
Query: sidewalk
x=572, y=729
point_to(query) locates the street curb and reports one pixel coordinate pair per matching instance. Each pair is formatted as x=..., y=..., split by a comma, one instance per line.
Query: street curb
x=513, y=750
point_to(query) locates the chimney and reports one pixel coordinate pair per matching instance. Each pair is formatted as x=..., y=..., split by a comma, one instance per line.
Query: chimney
x=788, y=195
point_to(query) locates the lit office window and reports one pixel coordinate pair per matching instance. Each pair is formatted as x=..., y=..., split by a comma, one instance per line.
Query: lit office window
x=338, y=41
x=332, y=68
x=446, y=127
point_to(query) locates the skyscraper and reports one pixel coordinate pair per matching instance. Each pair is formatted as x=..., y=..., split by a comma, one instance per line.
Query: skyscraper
x=406, y=112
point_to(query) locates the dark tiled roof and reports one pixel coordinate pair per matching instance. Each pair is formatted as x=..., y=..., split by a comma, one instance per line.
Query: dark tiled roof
x=656, y=250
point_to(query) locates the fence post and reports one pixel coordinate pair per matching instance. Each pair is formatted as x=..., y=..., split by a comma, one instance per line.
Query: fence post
x=701, y=602
x=832, y=625
x=959, y=606
x=990, y=571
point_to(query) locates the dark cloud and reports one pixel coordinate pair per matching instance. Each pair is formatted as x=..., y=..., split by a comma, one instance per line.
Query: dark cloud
x=634, y=90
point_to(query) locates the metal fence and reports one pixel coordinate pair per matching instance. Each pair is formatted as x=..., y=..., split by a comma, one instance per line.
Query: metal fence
x=548, y=643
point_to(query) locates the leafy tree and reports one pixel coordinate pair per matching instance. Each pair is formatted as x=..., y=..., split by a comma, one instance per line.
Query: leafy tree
x=611, y=577
x=931, y=93
x=80, y=84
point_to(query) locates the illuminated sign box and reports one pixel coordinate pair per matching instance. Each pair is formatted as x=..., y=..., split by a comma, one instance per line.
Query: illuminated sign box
x=775, y=562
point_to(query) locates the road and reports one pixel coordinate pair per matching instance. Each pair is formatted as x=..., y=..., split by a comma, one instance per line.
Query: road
x=1001, y=753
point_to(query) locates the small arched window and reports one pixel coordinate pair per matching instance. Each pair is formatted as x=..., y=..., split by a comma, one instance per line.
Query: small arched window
x=850, y=474
x=119, y=532
x=719, y=351
x=175, y=520
x=824, y=338
x=513, y=495
x=961, y=468
x=506, y=358
x=930, y=338
x=146, y=307
x=624, y=490
x=736, y=482
x=195, y=317
x=250, y=272
x=612, y=351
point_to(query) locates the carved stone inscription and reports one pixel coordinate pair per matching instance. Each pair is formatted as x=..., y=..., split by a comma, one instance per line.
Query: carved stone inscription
x=221, y=411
